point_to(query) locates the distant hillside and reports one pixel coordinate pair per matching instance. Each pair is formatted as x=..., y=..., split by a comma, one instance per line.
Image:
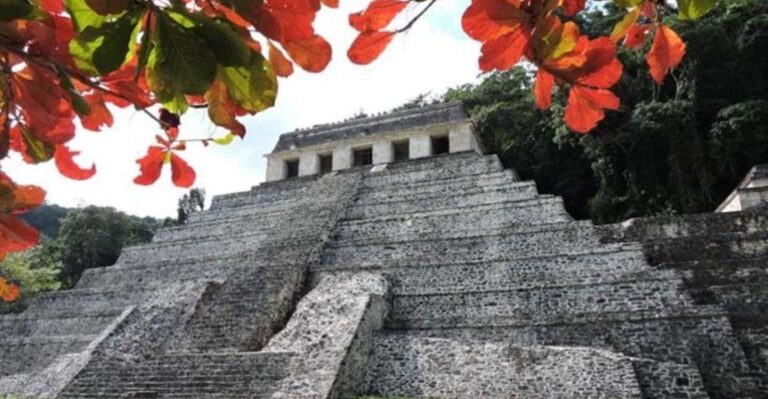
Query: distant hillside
x=47, y=218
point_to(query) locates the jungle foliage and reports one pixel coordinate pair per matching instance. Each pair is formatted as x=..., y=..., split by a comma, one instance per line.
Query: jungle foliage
x=676, y=148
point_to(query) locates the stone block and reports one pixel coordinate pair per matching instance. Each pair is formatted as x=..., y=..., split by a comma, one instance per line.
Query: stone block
x=382, y=152
x=342, y=157
x=420, y=146
x=275, y=168
x=309, y=164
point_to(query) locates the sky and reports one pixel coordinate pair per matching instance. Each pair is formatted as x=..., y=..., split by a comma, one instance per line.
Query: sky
x=433, y=56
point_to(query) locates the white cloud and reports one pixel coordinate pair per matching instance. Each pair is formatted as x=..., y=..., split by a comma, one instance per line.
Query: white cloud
x=431, y=57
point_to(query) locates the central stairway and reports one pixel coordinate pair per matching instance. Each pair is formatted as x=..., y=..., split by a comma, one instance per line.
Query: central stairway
x=491, y=281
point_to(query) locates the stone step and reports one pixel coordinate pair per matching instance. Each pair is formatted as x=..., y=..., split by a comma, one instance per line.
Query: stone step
x=104, y=300
x=433, y=367
x=512, y=191
x=682, y=336
x=205, y=268
x=459, y=200
x=446, y=186
x=434, y=168
x=183, y=250
x=29, y=326
x=267, y=193
x=474, y=308
x=515, y=275
x=273, y=224
x=311, y=193
x=238, y=230
x=49, y=339
x=691, y=225
x=265, y=257
x=597, y=329
x=506, y=216
x=81, y=302
x=160, y=272
x=232, y=375
x=722, y=246
x=558, y=240
x=262, y=212
x=24, y=354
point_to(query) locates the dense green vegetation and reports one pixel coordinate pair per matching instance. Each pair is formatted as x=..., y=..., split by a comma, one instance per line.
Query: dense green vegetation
x=93, y=237
x=73, y=240
x=76, y=239
x=678, y=148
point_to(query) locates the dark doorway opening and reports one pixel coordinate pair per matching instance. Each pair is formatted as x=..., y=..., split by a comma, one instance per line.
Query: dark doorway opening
x=291, y=168
x=362, y=157
x=326, y=163
x=402, y=150
x=440, y=145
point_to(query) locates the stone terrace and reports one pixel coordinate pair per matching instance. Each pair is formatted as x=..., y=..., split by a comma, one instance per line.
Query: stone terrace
x=439, y=277
x=722, y=258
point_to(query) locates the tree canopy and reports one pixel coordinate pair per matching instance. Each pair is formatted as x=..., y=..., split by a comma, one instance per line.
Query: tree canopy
x=676, y=148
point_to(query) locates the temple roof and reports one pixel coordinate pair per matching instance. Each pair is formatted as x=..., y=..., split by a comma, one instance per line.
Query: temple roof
x=384, y=123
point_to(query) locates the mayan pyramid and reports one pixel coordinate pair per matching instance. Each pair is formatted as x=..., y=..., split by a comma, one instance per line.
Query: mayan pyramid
x=384, y=256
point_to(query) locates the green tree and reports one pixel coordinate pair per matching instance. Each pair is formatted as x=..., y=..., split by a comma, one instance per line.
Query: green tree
x=676, y=148
x=35, y=270
x=94, y=236
x=46, y=218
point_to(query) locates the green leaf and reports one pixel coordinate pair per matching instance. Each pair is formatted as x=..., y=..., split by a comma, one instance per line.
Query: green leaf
x=81, y=107
x=105, y=48
x=144, y=51
x=181, y=61
x=38, y=151
x=252, y=86
x=223, y=40
x=224, y=140
x=628, y=3
x=118, y=44
x=694, y=9
x=83, y=16
x=13, y=9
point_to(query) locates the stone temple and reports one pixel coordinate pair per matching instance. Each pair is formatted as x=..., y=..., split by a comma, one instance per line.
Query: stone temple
x=387, y=256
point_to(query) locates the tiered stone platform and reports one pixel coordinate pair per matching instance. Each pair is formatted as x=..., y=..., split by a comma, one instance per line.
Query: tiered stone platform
x=723, y=258
x=441, y=277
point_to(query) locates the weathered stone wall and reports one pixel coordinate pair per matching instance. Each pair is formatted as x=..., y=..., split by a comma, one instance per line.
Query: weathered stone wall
x=475, y=256
x=722, y=258
x=331, y=333
x=405, y=365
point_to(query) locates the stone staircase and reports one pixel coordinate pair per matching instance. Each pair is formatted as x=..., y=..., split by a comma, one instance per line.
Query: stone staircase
x=439, y=277
x=478, y=260
x=227, y=375
x=203, y=298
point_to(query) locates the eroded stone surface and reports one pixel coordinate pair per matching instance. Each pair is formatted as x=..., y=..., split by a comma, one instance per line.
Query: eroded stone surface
x=443, y=276
x=331, y=330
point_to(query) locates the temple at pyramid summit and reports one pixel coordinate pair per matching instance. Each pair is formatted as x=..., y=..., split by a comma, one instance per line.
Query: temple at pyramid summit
x=389, y=256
